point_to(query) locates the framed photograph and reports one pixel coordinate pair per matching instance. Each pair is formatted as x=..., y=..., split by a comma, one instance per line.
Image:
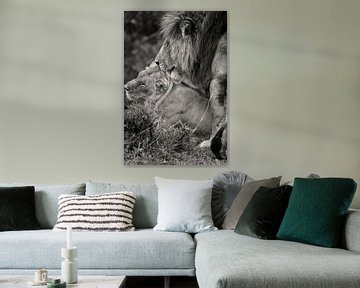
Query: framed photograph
x=175, y=88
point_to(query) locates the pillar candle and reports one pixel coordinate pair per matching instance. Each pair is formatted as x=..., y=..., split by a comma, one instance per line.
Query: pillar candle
x=69, y=237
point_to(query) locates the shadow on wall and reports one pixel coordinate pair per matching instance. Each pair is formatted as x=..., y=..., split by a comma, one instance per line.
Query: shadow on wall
x=38, y=142
x=61, y=54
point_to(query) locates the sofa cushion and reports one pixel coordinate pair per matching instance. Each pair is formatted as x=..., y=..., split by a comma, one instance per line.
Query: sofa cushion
x=146, y=205
x=243, y=198
x=263, y=215
x=225, y=259
x=137, y=250
x=225, y=189
x=17, y=208
x=184, y=205
x=46, y=200
x=317, y=209
x=105, y=212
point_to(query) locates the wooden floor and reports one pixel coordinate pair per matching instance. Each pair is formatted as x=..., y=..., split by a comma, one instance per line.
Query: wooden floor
x=158, y=282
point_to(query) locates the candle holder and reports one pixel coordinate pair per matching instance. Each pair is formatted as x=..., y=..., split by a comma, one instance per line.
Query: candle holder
x=69, y=271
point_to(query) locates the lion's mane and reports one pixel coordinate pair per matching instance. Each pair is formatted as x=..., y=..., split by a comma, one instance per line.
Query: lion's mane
x=194, y=54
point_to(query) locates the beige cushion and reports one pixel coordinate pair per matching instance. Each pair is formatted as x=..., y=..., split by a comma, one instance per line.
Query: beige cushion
x=243, y=198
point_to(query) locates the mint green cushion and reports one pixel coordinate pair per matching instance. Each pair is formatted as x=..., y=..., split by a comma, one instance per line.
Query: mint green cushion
x=316, y=211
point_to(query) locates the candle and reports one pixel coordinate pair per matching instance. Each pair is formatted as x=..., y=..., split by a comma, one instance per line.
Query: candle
x=69, y=239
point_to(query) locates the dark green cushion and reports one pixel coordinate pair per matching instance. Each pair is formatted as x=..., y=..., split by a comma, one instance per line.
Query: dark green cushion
x=17, y=208
x=264, y=213
x=316, y=211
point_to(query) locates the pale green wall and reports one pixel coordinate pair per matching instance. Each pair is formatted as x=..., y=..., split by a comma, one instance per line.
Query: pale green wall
x=294, y=89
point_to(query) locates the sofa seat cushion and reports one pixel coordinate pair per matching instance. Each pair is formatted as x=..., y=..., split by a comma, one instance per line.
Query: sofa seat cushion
x=141, y=249
x=226, y=259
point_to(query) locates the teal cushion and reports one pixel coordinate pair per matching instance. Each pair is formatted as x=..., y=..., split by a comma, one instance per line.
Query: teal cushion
x=316, y=211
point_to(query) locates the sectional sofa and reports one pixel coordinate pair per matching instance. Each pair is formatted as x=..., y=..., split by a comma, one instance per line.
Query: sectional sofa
x=218, y=258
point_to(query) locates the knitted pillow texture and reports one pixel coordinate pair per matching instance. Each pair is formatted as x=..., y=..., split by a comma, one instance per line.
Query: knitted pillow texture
x=317, y=210
x=105, y=212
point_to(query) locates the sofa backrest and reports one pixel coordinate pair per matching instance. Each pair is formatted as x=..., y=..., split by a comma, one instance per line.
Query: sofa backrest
x=146, y=203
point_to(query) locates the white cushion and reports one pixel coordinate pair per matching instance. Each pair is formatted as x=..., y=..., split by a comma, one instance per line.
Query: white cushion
x=184, y=205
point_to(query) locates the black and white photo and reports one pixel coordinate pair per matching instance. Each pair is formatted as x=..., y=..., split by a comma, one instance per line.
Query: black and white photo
x=175, y=88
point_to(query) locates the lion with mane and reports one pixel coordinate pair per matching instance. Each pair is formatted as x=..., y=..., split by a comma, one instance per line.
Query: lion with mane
x=194, y=52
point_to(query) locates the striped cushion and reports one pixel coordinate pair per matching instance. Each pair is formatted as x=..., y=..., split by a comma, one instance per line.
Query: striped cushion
x=105, y=212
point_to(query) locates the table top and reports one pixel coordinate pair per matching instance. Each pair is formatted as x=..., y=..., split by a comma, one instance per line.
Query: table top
x=84, y=281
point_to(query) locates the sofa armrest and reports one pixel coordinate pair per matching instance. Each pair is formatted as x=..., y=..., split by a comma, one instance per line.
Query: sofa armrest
x=351, y=234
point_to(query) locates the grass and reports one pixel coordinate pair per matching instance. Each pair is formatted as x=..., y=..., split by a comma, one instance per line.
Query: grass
x=151, y=141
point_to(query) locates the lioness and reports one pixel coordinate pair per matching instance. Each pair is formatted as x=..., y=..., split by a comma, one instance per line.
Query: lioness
x=174, y=102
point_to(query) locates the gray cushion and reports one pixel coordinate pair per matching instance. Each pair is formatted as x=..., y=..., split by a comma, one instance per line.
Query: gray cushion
x=46, y=200
x=243, y=198
x=225, y=189
x=310, y=176
x=248, y=262
x=146, y=204
x=143, y=249
x=184, y=205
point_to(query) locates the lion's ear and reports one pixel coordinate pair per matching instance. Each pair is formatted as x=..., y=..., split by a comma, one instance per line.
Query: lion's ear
x=186, y=27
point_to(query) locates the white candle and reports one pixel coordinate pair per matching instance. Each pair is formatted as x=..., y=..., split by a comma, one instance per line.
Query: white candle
x=69, y=239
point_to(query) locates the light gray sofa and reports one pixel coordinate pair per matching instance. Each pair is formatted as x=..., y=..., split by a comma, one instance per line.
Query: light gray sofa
x=142, y=252
x=219, y=259
x=226, y=259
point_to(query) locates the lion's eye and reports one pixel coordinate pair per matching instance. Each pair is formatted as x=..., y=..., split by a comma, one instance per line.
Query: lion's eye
x=166, y=44
x=142, y=86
